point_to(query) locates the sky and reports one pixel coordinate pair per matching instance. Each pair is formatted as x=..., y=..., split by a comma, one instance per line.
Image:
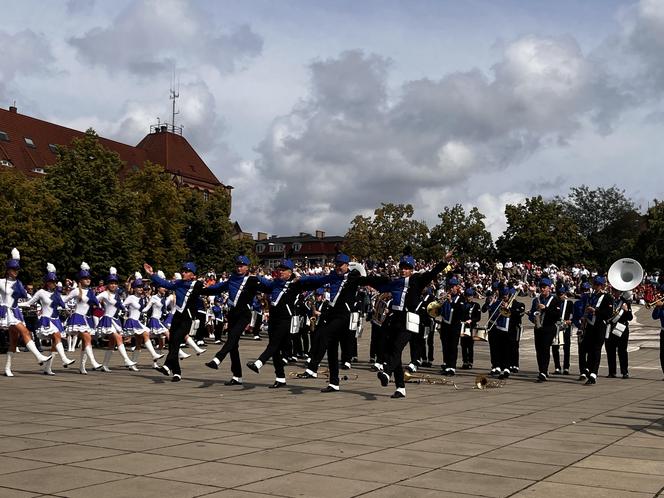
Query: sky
x=317, y=111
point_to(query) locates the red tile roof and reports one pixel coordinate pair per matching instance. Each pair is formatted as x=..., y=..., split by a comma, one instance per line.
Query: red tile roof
x=170, y=150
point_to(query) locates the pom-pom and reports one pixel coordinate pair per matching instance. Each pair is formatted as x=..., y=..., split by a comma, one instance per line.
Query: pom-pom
x=113, y=270
x=160, y=274
x=50, y=267
x=138, y=275
x=16, y=254
x=85, y=266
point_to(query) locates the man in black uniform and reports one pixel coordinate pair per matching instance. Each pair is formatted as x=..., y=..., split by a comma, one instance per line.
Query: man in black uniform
x=565, y=323
x=544, y=313
x=598, y=314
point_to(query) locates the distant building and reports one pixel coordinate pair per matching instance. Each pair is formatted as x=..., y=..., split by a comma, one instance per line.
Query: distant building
x=29, y=145
x=303, y=249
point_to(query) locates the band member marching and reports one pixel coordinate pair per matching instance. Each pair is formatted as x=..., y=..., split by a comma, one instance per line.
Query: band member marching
x=452, y=314
x=597, y=314
x=544, y=313
x=564, y=326
x=658, y=314
x=579, y=321
x=133, y=327
x=498, y=330
x=472, y=316
x=618, y=336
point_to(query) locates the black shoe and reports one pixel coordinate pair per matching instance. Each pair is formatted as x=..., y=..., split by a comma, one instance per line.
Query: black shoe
x=163, y=370
x=277, y=385
x=212, y=364
x=398, y=394
x=345, y=366
x=591, y=380
x=176, y=378
x=329, y=389
x=541, y=377
x=566, y=371
x=557, y=371
x=427, y=364
x=252, y=366
x=383, y=378
x=505, y=374
x=232, y=382
x=465, y=366
x=373, y=368
x=514, y=370
x=611, y=376
x=625, y=375
x=304, y=375
x=582, y=377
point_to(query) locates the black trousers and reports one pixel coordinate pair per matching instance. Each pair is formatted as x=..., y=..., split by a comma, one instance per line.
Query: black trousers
x=619, y=344
x=337, y=333
x=502, y=352
x=543, y=340
x=398, y=337
x=593, y=341
x=555, y=350
x=661, y=349
x=377, y=343
x=467, y=349
x=417, y=348
x=429, y=343
x=514, y=340
x=278, y=331
x=180, y=327
x=321, y=342
x=237, y=322
x=493, y=346
x=583, y=354
x=449, y=336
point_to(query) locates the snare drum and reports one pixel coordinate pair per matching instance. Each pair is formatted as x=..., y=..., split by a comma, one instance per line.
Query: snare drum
x=480, y=334
x=466, y=331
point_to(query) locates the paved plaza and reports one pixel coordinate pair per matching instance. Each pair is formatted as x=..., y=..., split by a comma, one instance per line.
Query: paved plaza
x=125, y=434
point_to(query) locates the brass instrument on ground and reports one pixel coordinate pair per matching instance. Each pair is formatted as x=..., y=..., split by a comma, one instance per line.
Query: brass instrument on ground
x=483, y=382
x=427, y=379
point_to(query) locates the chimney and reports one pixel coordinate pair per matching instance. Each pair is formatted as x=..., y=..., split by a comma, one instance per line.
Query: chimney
x=320, y=234
x=261, y=236
x=164, y=128
x=13, y=109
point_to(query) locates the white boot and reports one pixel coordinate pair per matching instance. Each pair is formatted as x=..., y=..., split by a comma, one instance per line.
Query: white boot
x=182, y=355
x=61, y=351
x=8, y=364
x=107, y=360
x=91, y=355
x=123, y=353
x=134, y=360
x=40, y=357
x=155, y=356
x=192, y=344
x=71, y=343
x=84, y=359
x=47, y=367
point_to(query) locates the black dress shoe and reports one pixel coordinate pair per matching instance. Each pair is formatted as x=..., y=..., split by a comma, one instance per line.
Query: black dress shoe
x=163, y=370
x=611, y=376
x=304, y=375
x=591, y=380
x=277, y=385
x=541, y=377
x=398, y=394
x=232, y=382
x=329, y=389
x=252, y=366
x=212, y=364
x=426, y=364
x=383, y=378
x=176, y=378
x=625, y=375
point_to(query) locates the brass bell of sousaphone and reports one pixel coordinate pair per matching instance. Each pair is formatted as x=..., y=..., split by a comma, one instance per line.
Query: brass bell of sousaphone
x=625, y=274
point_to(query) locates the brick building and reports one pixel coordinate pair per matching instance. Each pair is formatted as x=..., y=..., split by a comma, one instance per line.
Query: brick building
x=303, y=249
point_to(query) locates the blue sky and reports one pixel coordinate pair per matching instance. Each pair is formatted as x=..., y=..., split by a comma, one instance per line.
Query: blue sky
x=317, y=111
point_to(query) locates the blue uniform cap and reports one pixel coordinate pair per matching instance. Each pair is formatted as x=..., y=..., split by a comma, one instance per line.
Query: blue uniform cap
x=137, y=283
x=50, y=277
x=242, y=260
x=505, y=291
x=407, y=261
x=585, y=285
x=320, y=291
x=545, y=282
x=561, y=290
x=189, y=266
x=112, y=277
x=342, y=258
x=13, y=264
x=470, y=291
x=83, y=274
x=453, y=281
x=286, y=263
x=599, y=280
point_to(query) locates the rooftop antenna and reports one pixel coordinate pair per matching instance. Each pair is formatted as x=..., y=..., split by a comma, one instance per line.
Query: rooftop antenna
x=175, y=94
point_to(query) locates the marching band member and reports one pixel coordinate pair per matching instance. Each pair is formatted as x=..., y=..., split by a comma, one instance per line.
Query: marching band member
x=658, y=314
x=11, y=318
x=109, y=324
x=619, y=334
x=598, y=312
x=579, y=321
x=544, y=313
x=471, y=317
x=514, y=333
x=406, y=291
x=241, y=288
x=491, y=302
x=133, y=327
x=452, y=313
x=566, y=310
x=499, y=339
x=80, y=323
x=379, y=317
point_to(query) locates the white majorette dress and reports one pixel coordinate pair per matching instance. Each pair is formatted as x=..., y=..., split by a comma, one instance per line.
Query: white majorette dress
x=155, y=305
x=112, y=304
x=49, y=320
x=11, y=291
x=132, y=324
x=80, y=321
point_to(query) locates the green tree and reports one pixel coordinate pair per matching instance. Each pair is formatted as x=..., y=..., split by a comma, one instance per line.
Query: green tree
x=541, y=231
x=466, y=232
x=387, y=233
x=98, y=219
x=28, y=212
x=650, y=244
x=162, y=216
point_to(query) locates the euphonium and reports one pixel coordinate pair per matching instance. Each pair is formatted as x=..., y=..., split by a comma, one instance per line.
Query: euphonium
x=427, y=379
x=433, y=308
x=483, y=382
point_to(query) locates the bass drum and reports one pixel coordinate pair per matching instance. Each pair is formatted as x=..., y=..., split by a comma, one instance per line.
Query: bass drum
x=480, y=334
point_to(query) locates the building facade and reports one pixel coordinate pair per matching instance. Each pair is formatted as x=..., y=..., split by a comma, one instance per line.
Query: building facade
x=304, y=249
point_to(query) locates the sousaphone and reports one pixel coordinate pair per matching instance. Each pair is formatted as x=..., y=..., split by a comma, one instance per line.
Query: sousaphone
x=625, y=274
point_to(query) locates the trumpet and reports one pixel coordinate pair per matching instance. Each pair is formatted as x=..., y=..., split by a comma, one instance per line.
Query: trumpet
x=483, y=382
x=427, y=379
x=657, y=302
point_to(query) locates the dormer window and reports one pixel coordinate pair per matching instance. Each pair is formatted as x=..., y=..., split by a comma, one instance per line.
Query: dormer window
x=53, y=148
x=29, y=142
x=3, y=136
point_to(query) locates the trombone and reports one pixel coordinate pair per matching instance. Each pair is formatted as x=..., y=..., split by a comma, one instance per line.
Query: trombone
x=427, y=379
x=657, y=302
x=503, y=309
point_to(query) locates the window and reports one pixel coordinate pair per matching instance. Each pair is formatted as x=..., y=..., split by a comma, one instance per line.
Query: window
x=206, y=195
x=276, y=248
x=297, y=246
x=260, y=247
x=29, y=142
x=53, y=148
x=41, y=171
x=6, y=163
x=4, y=137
